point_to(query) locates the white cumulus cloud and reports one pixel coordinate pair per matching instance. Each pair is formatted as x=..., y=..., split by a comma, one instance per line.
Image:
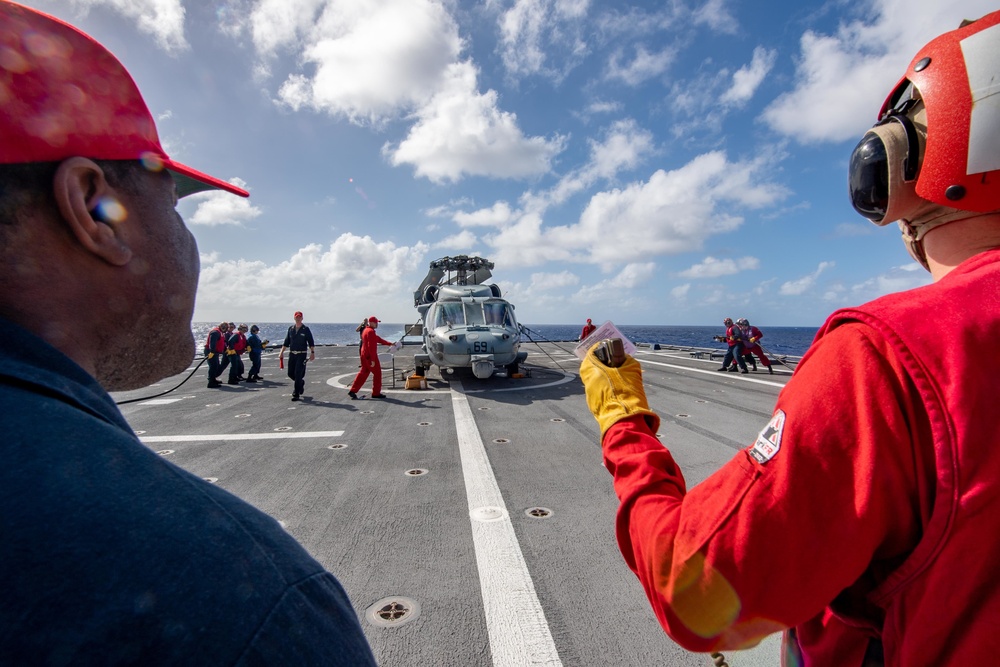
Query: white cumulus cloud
x=343, y=281
x=162, y=19
x=710, y=267
x=843, y=78
x=216, y=207
x=672, y=212
x=805, y=283
x=461, y=132
x=748, y=78
x=367, y=61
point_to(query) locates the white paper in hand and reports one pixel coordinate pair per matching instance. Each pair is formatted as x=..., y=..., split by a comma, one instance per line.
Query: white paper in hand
x=606, y=330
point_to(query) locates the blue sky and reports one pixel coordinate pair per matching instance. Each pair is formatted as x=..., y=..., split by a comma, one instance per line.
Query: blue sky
x=650, y=163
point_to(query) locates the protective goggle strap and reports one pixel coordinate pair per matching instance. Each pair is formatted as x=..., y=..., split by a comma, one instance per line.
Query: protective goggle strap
x=912, y=162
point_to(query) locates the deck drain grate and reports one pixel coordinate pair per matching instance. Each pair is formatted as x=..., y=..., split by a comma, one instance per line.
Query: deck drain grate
x=211, y=480
x=392, y=612
x=538, y=512
x=683, y=415
x=367, y=412
x=557, y=419
x=483, y=408
x=337, y=446
x=242, y=414
x=139, y=432
x=165, y=452
x=212, y=405
x=423, y=423
x=701, y=401
x=283, y=428
x=501, y=441
x=416, y=472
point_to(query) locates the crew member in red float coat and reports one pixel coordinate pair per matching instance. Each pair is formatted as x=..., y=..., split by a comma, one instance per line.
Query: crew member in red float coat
x=215, y=349
x=370, y=364
x=588, y=329
x=863, y=519
x=238, y=344
x=751, y=335
x=733, y=338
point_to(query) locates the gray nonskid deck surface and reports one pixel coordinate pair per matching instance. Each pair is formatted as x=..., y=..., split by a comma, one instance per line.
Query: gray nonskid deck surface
x=334, y=472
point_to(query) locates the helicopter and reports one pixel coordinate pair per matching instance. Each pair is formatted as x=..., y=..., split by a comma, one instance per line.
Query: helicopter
x=465, y=322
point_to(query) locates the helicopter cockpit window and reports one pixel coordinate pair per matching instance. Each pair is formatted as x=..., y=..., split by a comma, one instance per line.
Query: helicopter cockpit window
x=449, y=315
x=474, y=314
x=496, y=314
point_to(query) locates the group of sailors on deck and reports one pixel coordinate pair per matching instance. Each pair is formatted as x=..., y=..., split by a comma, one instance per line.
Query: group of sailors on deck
x=743, y=339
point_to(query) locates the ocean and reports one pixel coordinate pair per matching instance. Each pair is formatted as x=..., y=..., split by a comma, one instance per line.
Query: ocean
x=792, y=341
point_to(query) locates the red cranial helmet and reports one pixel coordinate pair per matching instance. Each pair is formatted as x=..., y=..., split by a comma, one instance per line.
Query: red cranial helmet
x=934, y=155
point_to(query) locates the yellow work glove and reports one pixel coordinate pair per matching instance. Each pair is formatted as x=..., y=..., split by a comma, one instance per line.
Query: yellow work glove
x=264, y=344
x=615, y=393
x=753, y=340
x=211, y=355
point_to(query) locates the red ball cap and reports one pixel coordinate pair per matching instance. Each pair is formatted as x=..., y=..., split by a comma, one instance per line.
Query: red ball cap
x=373, y=319
x=63, y=95
x=298, y=313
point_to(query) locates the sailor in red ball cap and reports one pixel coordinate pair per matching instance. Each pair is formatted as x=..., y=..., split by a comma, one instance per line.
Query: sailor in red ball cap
x=369, y=361
x=111, y=553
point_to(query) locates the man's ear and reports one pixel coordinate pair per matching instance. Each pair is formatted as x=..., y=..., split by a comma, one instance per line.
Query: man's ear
x=79, y=187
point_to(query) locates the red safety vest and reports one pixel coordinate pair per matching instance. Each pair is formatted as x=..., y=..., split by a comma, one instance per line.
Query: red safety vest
x=220, y=344
x=942, y=604
x=240, y=344
x=733, y=335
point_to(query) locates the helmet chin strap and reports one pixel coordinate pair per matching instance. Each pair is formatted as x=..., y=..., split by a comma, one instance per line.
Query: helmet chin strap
x=913, y=231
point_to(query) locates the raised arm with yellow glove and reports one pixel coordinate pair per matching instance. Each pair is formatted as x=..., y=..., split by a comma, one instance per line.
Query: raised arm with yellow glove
x=615, y=393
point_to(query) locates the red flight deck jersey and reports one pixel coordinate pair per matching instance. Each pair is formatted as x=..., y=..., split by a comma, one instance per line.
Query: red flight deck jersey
x=866, y=508
x=369, y=344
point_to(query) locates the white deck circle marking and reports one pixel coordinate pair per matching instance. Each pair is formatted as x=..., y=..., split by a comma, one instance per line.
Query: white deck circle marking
x=336, y=382
x=515, y=621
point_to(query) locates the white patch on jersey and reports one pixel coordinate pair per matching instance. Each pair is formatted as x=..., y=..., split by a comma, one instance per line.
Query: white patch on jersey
x=769, y=439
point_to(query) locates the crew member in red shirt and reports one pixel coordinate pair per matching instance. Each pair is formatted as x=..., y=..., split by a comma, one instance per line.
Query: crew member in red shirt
x=734, y=355
x=751, y=335
x=238, y=344
x=215, y=350
x=588, y=329
x=369, y=361
x=863, y=520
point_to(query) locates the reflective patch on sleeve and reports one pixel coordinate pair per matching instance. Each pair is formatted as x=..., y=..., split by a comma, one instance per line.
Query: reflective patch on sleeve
x=769, y=439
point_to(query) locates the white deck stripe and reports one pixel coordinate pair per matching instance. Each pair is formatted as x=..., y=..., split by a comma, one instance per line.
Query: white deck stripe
x=715, y=373
x=284, y=435
x=515, y=621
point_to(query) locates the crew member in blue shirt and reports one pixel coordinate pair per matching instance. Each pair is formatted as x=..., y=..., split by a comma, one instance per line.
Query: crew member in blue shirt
x=112, y=555
x=256, y=347
x=298, y=338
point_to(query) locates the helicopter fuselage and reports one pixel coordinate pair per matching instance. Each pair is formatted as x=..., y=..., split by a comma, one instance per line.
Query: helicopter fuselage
x=469, y=326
